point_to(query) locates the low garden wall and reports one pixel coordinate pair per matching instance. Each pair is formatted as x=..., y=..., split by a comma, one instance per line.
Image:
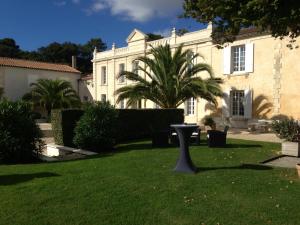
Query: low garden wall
x=132, y=124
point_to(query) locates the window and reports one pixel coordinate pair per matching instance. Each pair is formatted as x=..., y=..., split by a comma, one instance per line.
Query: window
x=121, y=69
x=135, y=67
x=103, y=75
x=237, y=103
x=238, y=58
x=190, y=60
x=122, y=104
x=190, y=106
x=156, y=106
x=103, y=98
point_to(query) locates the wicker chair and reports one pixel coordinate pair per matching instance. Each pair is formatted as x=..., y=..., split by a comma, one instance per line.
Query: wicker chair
x=217, y=138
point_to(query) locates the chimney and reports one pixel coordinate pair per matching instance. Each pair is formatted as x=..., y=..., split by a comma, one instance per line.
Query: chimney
x=74, y=61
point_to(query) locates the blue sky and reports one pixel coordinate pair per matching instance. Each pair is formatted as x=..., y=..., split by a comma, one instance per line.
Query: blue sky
x=36, y=23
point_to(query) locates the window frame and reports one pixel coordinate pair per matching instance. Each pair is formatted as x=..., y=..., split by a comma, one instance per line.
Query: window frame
x=105, y=98
x=103, y=75
x=190, y=106
x=238, y=58
x=237, y=109
x=121, y=79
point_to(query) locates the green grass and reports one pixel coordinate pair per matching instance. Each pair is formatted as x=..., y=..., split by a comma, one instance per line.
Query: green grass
x=137, y=186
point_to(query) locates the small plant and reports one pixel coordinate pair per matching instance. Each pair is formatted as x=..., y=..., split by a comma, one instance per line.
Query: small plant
x=287, y=129
x=209, y=121
x=20, y=137
x=96, y=129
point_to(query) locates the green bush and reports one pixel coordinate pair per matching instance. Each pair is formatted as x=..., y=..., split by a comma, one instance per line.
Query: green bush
x=287, y=129
x=63, y=124
x=209, y=121
x=20, y=137
x=96, y=129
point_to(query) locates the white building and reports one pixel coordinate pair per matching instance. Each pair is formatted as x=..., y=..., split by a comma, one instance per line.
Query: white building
x=16, y=75
x=261, y=78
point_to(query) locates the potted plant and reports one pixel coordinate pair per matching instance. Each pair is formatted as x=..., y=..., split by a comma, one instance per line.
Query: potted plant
x=289, y=130
x=209, y=121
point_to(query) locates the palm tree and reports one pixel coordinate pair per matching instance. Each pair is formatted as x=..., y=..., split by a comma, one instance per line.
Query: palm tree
x=172, y=79
x=52, y=94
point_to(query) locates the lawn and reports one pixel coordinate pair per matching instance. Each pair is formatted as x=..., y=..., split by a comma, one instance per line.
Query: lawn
x=137, y=186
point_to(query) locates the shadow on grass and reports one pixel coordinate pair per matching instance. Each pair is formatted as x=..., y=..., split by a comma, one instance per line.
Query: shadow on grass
x=21, y=178
x=242, y=146
x=240, y=167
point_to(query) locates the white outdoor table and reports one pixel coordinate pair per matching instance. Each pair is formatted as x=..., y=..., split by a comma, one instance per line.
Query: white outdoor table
x=184, y=132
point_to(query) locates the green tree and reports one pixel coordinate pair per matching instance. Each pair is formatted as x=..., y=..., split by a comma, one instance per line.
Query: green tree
x=52, y=94
x=56, y=52
x=279, y=17
x=172, y=79
x=153, y=37
x=9, y=48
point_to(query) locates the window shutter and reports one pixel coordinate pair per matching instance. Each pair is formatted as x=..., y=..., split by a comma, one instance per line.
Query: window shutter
x=249, y=57
x=248, y=104
x=226, y=104
x=227, y=60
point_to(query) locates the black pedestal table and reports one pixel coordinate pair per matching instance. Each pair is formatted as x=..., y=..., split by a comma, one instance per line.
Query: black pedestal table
x=184, y=163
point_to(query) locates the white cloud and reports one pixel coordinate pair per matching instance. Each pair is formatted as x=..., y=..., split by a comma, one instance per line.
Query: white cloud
x=138, y=10
x=97, y=6
x=60, y=3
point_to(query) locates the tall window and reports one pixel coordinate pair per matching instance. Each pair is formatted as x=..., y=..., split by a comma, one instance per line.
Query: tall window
x=238, y=58
x=121, y=69
x=135, y=67
x=103, y=75
x=190, y=106
x=190, y=60
x=103, y=98
x=237, y=103
x=122, y=104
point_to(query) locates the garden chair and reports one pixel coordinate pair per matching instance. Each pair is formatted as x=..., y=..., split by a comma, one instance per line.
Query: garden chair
x=217, y=138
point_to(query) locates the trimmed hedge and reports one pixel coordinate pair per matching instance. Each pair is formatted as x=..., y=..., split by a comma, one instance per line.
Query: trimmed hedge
x=63, y=123
x=132, y=123
x=142, y=123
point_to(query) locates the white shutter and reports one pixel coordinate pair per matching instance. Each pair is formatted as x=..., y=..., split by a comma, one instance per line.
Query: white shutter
x=249, y=57
x=226, y=104
x=227, y=60
x=248, y=104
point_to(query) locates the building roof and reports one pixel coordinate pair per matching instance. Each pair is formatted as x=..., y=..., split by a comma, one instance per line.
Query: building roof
x=11, y=62
x=87, y=77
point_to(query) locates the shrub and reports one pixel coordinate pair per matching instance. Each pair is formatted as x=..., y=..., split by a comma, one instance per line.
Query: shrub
x=63, y=125
x=36, y=115
x=131, y=123
x=20, y=137
x=287, y=129
x=209, y=121
x=96, y=129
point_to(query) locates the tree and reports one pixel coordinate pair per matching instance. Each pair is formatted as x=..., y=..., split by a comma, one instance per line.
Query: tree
x=153, y=37
x=172, y=81
x=52, y=94
x=279, y=17
x=182, y=31
x=9, y=48
x=56, y=52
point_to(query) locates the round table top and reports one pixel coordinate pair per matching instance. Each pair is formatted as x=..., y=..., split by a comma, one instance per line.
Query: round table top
x=184, y=125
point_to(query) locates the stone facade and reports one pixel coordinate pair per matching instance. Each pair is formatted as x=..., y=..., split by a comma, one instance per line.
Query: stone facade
x=261, y=75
